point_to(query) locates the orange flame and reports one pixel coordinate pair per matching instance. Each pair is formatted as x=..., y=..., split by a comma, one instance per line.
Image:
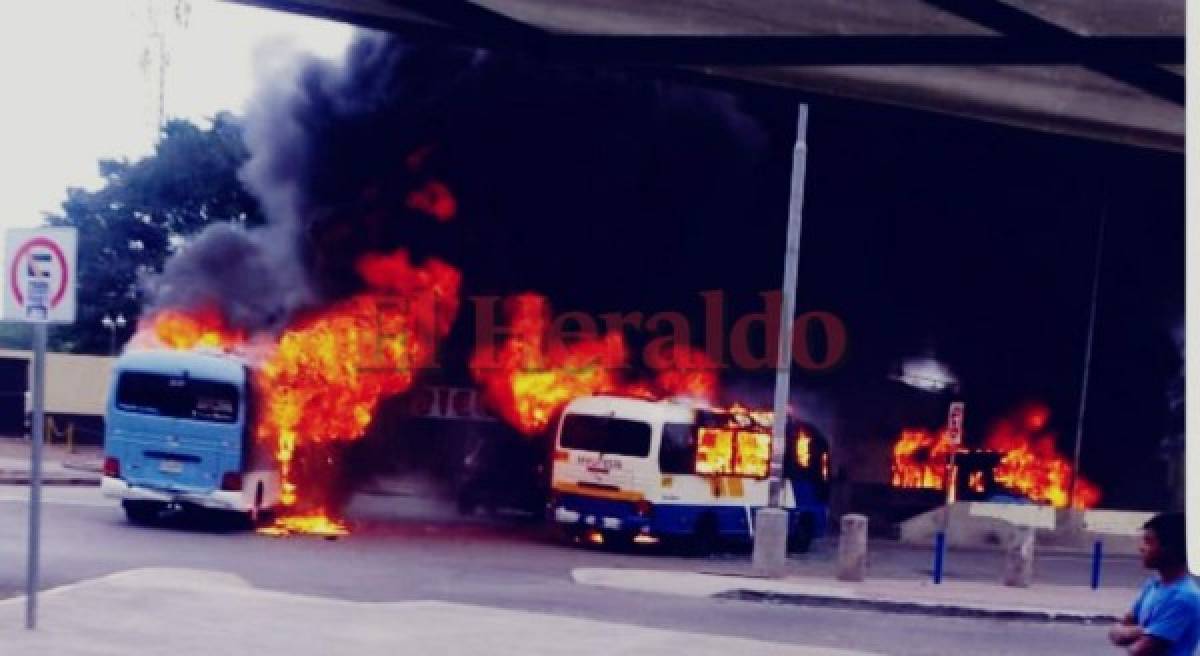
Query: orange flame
x=327, y=372
x=530, y=377
x=179, y=330
x=919, y=459
x=330, y=370
x=685, y=371
x=526, y=383
x=1030, y=463
x=321, y=525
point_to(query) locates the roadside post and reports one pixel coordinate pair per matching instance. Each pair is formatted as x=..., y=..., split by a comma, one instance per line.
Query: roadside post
x=1097, y=561
x=1018, y=557
x=852, y=548
x=39, y=290
x=954, y=433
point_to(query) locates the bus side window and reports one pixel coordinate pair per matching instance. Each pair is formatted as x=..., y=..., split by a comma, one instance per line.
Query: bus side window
x=678, y=452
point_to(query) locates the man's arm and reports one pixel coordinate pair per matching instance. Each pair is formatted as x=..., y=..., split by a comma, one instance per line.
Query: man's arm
x=1126, y=632
x=1170, y=622
x=1149, y=645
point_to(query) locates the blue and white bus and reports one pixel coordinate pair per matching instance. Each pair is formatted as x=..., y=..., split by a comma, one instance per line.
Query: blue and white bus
x=179, y=433
x=630, y=469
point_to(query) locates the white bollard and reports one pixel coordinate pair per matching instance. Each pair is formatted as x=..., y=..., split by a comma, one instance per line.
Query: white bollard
x=852, y=548
x=1018, y=558
x=770, y=543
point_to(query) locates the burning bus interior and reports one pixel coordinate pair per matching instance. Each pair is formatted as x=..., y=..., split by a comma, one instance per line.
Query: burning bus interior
x=519, y=234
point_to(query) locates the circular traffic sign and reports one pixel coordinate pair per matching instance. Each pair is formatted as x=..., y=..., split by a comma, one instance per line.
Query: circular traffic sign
x=36, y=266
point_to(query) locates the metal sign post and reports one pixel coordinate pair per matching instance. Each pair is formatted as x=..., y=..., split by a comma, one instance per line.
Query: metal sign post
x=39, y=290
x=954, y=435
x=37, y=435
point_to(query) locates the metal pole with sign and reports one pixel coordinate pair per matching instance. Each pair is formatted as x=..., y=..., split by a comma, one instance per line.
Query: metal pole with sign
x=954, y=435
x=39, y=290
x=37, y=436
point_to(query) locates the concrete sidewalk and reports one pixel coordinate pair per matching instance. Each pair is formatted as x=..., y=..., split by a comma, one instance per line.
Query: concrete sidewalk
x=1044, y=603
x=191, y=612
x=82, y=466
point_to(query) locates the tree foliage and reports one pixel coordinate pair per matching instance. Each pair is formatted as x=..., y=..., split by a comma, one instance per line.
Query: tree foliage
x=142, y=213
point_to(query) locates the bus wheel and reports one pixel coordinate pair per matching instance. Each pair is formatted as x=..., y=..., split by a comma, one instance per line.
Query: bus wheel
x=705, y=537
x=567, y=534
x=801, y=536
x=143, y=512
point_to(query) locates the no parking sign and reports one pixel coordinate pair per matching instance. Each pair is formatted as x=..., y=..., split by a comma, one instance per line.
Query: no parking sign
x=40, y=275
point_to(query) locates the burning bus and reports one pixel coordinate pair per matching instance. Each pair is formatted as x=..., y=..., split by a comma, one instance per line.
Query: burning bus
x=179, y=433
x=637, y=470
x=1018, y=461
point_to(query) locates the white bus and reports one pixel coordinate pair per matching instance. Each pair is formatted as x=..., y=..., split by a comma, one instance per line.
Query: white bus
x=645, y=471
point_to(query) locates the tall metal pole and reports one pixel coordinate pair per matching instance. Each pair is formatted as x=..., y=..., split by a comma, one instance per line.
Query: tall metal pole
x=35, y=473
x=1087, y=360
x=771, y=523
x=791, y=261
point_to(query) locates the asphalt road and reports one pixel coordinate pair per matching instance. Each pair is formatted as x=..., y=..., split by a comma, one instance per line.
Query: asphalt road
x=490, y=564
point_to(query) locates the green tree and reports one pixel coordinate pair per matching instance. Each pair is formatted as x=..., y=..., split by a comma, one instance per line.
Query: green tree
x=142, y=213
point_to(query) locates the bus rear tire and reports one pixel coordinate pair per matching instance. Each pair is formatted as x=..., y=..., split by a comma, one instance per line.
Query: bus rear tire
x=566, y=534
x=143, y=513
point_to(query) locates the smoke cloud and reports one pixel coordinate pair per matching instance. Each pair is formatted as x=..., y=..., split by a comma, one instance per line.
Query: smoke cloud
x=339, y=151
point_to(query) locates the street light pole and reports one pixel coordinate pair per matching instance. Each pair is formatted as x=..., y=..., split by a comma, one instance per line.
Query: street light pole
x=112, y=325
x=771, y=523
x=1087, y=362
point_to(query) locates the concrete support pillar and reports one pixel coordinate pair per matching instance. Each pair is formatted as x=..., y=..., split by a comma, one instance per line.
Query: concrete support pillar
x=852, y=548
x=770, y=542
x=1018, y=558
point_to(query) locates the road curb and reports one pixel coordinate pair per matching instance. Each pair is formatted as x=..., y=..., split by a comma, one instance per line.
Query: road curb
x=916, y=608
x=817, y=593
x=86, y=468
x=23, y=479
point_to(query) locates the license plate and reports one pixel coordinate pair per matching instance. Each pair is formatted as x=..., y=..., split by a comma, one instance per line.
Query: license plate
x=170, y=467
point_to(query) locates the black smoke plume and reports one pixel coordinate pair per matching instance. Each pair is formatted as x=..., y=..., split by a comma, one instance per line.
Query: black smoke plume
x=338, y=149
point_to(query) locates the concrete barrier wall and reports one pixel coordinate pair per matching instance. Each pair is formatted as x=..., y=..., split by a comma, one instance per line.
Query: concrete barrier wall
x=991, y=525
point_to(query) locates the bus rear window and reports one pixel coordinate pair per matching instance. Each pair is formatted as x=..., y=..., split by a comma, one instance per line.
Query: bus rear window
x=177, y=397
x=733, y=452
x=623, y=437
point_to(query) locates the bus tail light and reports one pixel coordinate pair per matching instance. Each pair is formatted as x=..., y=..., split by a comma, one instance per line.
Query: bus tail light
x=560, y=455
x=231, y=481
x=643, y=508
x=112, y=467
